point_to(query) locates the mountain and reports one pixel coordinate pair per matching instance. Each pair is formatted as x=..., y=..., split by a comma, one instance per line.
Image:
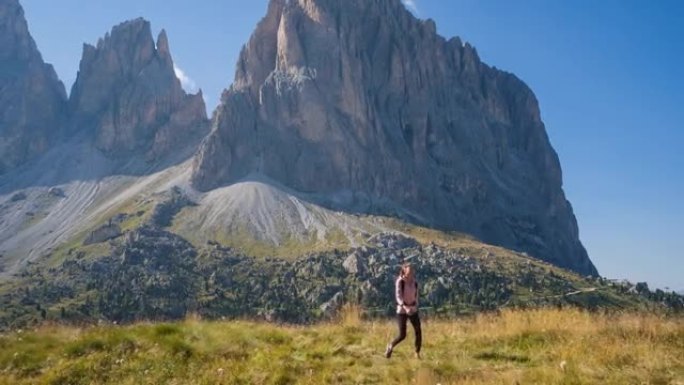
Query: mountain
x=128, y=96
x=32, y=99
x=367, y=107
x=127, y=124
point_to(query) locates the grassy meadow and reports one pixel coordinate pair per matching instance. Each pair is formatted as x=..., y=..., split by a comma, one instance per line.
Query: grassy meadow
x=550, y=346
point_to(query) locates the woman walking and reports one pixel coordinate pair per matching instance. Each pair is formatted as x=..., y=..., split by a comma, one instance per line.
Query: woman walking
x=406, y=292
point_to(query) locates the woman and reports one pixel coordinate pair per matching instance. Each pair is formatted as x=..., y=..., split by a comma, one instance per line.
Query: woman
x=406, y=290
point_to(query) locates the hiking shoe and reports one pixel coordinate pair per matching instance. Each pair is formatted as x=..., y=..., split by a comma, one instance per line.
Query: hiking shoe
x=388, y=351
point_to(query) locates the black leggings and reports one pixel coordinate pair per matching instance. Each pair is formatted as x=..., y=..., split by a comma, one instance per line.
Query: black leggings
x=415, y=322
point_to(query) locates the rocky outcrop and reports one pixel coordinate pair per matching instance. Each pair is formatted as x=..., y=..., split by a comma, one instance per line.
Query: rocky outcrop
x=128, y=96
x=336, y=96
x=168, y=204
x=32, y=99
x=353, y=264
x=103, y=233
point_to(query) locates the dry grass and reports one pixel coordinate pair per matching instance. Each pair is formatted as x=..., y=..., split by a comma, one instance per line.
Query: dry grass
x=514, y=347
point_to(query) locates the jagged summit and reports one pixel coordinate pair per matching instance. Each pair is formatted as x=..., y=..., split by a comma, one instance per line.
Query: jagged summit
x=128, y=96
x=163, y=46
x=17, y=43
x=361, y=96
x=32, y=99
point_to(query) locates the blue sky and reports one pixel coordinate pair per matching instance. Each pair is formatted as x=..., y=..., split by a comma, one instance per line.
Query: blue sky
x=609, y=76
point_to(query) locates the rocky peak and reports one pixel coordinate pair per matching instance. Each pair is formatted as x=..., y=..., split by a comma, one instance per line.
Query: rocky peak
x=163, y=47
x=16, y=41
x=127, y=95
x=32, y=99
x=337, y=96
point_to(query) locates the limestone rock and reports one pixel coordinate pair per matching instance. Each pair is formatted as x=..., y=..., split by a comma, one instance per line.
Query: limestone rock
x=32, y=99
x=103, y=233
x=393, y=241
x=331, y=307
x=168, y=205
x=56, y=192
x=354, y=264
x=20, y=196
x=336, y=96
x=128, y=96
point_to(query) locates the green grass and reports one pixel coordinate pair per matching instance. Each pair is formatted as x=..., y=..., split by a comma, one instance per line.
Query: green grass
x=61, y=254
x=290, y=247
x=526, y=347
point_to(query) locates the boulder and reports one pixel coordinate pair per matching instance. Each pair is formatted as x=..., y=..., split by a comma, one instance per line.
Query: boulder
x=354, y=264
x=330, y=308
x=102, y=234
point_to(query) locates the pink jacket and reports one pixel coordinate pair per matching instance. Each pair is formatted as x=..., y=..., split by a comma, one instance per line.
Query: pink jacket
x=406, y=295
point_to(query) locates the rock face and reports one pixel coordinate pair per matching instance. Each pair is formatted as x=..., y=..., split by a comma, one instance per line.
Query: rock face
x=359, y=96
x=32, y=99
x=129, y=97
x=103, y=233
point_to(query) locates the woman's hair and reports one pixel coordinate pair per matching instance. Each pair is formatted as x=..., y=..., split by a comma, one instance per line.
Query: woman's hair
x=403, y=269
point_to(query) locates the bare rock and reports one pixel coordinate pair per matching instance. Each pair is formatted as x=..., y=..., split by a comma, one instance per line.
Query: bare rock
x=56, y=192
x=102, y=234
x=32, y=99
x=361, y=96
x=354, y=264
x=128, y=95
x=20, y=196
x=394, y=241
x=331, y=307
x=169, y=204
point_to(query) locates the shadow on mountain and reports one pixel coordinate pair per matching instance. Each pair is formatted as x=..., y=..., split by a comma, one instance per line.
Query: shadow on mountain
x=78, y=160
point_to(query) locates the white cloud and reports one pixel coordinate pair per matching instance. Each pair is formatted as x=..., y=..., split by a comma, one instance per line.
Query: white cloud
x=188, y=84
x=411, y=5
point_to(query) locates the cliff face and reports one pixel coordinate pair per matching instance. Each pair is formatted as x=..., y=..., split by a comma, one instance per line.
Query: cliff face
x=128, y=96
x=360, y=97
x=32, y=99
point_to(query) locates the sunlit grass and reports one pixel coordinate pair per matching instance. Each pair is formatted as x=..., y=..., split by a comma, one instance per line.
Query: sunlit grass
x=525, y=347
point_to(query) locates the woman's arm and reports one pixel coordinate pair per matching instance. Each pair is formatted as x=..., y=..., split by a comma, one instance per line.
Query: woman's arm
x=399, y=291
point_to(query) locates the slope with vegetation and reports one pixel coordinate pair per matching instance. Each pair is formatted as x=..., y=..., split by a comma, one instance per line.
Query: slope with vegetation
x=150, y=273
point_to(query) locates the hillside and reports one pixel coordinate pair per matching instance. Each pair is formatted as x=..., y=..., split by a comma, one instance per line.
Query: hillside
x=525, y=347
x=149, y=273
